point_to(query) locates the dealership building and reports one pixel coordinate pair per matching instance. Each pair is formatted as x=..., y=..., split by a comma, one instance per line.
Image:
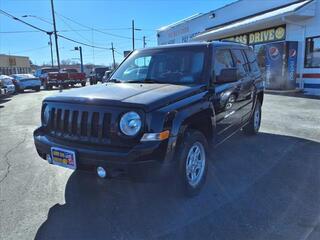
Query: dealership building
x=14, y=64
x=285, y=35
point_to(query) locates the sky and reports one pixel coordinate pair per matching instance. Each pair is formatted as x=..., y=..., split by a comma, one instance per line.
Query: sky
x=76, y=19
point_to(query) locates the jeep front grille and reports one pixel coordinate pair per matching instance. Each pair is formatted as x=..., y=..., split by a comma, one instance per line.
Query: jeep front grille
x=80, y=125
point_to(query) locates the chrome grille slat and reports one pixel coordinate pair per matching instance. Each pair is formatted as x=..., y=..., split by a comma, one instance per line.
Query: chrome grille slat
x=100, y=126
x=79, y=123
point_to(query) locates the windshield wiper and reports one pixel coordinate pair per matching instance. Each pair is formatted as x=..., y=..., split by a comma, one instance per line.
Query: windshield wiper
x=114, y=80
x=147, y=80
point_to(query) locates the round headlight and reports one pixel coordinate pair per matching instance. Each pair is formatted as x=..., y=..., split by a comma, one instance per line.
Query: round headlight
x=46, y=116
x=130, y=123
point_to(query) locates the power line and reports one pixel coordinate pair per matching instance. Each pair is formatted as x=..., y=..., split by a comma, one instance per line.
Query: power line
x=74, y=30
x=97, y=30
x=30, y=50
x=48, y=32
x=17, y=19
x=26, y=31
x=84, y=44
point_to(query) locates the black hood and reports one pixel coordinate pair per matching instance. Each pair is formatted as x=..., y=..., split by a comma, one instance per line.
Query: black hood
x=147, y=96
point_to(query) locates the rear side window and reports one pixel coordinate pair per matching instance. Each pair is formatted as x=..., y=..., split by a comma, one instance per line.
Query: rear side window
x=222, y=60
x=252, y=61
x=241, y=63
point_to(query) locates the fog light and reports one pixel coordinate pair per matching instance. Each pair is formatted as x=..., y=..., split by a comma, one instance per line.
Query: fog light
x=101, y=172
x=49, y=159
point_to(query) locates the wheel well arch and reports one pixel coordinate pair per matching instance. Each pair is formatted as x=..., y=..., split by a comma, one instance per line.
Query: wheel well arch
x=260, y=96
x=201, y=121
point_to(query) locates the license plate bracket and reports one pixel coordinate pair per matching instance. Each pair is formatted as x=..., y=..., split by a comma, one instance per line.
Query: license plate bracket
x=63, y=158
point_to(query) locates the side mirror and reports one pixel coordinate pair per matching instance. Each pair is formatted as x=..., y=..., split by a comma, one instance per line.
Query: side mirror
x=227, y=75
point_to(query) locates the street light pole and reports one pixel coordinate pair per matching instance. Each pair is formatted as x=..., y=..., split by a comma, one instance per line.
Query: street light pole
x=55, y=33
x=144, y=41
x=81, y=59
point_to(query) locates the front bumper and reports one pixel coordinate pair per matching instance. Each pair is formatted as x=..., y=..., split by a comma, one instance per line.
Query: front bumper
x=141, y=161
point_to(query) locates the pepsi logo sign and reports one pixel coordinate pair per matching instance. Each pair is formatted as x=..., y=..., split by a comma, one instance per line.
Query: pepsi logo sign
x=292, y=53
x=274, y=53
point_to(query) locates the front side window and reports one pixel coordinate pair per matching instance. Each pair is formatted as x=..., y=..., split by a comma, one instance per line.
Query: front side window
x=312, y=56
x=175, y=66
x=223, y=60
x=252, y=61
x=241, y=64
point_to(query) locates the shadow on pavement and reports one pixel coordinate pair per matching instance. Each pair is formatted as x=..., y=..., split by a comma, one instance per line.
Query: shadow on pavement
x=4, y=100
x=262, y=187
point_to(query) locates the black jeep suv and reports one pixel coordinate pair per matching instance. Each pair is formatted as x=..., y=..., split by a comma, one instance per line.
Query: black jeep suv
x=157, y=114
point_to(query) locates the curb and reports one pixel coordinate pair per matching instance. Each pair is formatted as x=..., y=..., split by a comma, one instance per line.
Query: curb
x=284, y=91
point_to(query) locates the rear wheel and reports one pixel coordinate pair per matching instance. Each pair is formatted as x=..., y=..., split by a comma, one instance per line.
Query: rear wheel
x=83, y=84
x=192, y=155
x=253, y=125
x=37, y=89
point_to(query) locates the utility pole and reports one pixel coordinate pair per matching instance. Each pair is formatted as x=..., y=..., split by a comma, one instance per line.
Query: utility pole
x=114, y=61
x=50, y=42
x=55, y=33
x=132, y=35
x=144, y=42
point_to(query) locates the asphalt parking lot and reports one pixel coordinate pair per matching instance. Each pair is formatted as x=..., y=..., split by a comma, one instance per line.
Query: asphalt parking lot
x=261, y=187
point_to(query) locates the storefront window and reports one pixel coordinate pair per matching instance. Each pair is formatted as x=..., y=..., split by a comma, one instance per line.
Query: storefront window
x=312, y=57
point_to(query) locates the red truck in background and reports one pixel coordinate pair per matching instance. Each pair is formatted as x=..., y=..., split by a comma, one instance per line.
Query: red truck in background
x=52, y=77
x=75, y=77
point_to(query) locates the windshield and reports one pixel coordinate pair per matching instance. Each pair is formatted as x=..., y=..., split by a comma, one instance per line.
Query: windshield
x=100, y=70
x=48, y=70
x=6, y=81
x=23, y=76
x=71, y=70
x=175, y=66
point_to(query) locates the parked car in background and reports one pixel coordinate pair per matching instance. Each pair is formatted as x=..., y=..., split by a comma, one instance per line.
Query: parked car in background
x=26, y=81
x=97, y=74
x=51, y=77
x=107, y=75
x=6, y=85
x=75, y=77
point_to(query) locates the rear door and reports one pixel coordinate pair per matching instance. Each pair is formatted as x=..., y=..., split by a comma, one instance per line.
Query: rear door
x=244, y=75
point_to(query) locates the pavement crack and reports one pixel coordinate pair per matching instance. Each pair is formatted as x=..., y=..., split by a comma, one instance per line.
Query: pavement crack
x=6, y=158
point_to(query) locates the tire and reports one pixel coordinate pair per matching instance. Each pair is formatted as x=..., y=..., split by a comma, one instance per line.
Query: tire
x=253, y=126
x=194, y=142
x=46, y=86
x=83, y=84
x=37, y=89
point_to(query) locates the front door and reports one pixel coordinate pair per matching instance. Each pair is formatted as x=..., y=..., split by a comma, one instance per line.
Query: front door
x=246, y=79
x=226, y=95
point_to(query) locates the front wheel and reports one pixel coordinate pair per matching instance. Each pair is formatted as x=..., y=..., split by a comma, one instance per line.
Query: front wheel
x=254, y=123
x=83, y=84
x=46, y=86
x=192, y=154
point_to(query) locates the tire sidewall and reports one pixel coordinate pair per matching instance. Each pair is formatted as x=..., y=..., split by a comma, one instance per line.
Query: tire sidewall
x=257, y=107
x=190, y=137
